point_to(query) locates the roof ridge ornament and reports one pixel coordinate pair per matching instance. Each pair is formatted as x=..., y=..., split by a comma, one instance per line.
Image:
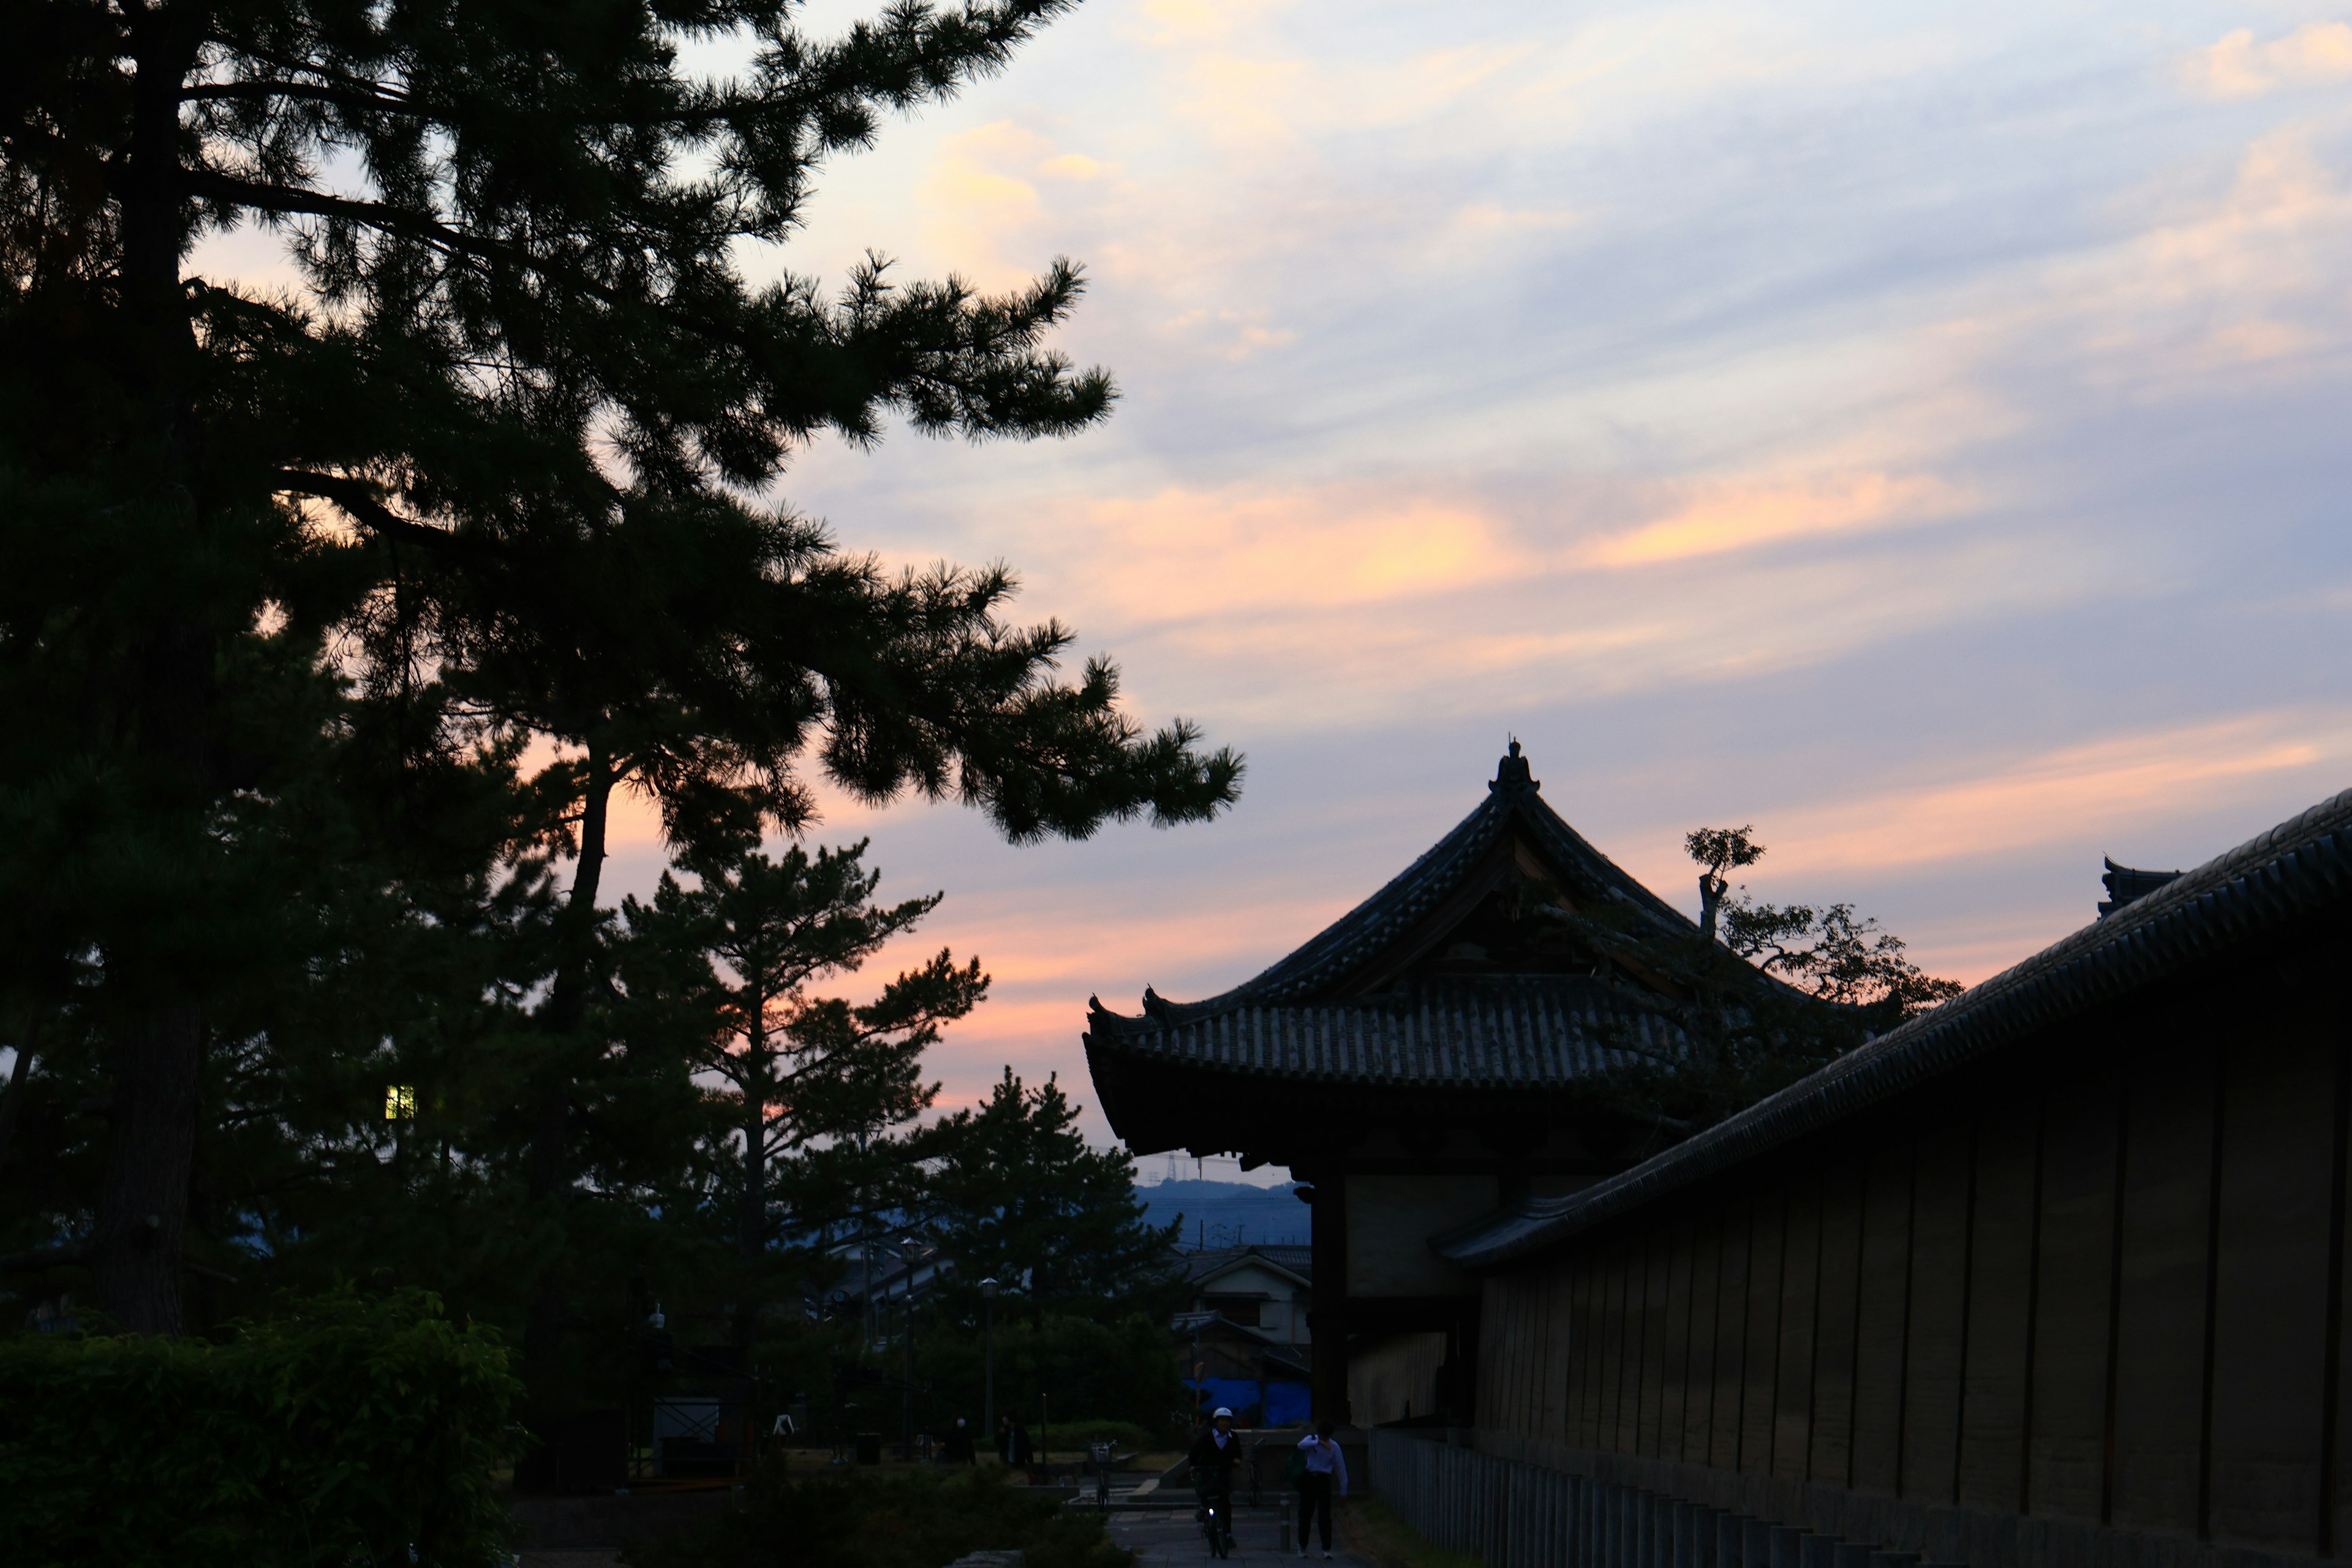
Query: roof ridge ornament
x=2127, y=884
x=1512, y=775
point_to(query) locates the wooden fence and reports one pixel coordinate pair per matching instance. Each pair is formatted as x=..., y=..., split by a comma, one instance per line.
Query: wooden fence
x=1513, y=1515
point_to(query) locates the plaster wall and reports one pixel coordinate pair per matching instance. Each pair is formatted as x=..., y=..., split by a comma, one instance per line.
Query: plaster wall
x=1394, y=1378
x=1389, y=1221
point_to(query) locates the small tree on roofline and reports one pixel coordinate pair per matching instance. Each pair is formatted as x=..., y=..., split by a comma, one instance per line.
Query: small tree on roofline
x=1828, y=951
x=1765, y=994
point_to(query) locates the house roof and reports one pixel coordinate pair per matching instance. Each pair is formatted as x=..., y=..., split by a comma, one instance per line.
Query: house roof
x=1203, y=1268
x=2298, y=869
x=1258, y=1340
x=1358, y=1004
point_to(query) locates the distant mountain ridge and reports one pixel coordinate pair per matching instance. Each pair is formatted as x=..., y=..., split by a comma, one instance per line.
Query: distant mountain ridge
x=1229, y=1214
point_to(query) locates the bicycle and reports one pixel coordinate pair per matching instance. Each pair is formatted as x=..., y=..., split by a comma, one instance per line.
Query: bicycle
x=1215, y=1516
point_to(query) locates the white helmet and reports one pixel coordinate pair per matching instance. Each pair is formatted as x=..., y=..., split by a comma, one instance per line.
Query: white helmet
x=1225, y=1410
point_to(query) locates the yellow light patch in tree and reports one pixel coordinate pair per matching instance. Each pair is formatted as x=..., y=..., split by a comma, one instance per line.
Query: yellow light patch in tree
x=400, y=1103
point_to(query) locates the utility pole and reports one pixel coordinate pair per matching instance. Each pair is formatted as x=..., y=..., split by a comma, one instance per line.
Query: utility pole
x=988, y=1355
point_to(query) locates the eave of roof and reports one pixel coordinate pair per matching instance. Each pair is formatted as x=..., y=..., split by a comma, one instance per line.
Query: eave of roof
x=1251, y=1261
x=1525, y=1031
x=2298, y=867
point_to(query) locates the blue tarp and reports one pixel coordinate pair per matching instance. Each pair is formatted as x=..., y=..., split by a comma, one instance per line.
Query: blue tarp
x=1255, y=1404
x=1288, y=1404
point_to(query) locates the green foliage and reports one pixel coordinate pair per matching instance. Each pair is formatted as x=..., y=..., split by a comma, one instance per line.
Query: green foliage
x=1128, y=1436
x=336, y=615
x=811, y=1082
x=1718, y=850
x=1089, y=1367
x=350, y=1429
x=302, y=577
x=1835, y=955
x=1019, y=1195
x=861, y=1520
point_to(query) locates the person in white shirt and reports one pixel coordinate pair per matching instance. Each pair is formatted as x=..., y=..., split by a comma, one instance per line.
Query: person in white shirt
x=1326, y=1468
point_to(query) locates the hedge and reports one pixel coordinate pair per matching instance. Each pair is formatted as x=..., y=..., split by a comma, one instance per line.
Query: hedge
x=351, y=1431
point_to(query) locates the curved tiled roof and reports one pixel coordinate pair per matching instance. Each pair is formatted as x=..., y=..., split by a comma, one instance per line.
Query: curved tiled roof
x=1494, y=1030
x=1512, y=801
x=1469, y=1031
x=2298, y=867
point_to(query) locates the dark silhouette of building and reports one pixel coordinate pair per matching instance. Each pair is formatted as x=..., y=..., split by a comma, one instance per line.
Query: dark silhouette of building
x=1417, y=1064
x=2053, y=1274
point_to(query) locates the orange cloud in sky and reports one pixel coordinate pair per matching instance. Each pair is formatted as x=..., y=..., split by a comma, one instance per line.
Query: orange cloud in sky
x=1181, y=554
x=1184, y=554
x=2100, y=788
x=2314, y=54
x=1736, y=516
x=2247, y=278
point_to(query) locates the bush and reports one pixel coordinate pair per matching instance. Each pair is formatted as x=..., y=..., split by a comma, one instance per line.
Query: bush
x=1124, y=1370
x=1125, y=1434
x=352, y=1429
x=866, y=1520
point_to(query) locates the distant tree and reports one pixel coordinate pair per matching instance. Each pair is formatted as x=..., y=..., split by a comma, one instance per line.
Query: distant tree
x=1095, y=1363
x=1826, y=951
x=1015, y=1193
x=812, y=1082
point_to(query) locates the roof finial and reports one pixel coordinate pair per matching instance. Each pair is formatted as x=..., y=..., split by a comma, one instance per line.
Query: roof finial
x=1511, y=774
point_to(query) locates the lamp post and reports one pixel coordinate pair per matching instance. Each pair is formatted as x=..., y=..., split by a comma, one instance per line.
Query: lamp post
x=988, y=1355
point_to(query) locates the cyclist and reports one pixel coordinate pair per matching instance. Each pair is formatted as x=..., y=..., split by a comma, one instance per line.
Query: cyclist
x=1214, y=1454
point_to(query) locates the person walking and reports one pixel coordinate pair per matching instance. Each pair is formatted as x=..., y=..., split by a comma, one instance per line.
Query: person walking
x=961, y=1450
x=1324, y=1467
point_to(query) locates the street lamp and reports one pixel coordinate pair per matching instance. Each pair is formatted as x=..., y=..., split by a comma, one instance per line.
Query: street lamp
x=988, y=1320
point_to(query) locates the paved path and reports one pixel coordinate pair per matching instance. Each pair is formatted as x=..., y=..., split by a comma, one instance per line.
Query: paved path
x=1172, y=1540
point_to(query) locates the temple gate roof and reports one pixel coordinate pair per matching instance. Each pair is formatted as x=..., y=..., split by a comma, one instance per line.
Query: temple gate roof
x=1459, y=974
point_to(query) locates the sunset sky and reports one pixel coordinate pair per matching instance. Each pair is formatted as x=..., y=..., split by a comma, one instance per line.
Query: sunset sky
x=1919, y=431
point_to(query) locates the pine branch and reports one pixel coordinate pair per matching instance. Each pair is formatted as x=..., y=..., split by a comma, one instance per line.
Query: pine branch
x=357, y=498
x=373, y=99
x=384, y=216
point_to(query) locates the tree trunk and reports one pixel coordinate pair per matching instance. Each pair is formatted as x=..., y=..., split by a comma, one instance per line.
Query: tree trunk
x=1711, y=889
x=142, y=1207
x=567, y=1000
x=550, y=1176
x=751, y=1217
x=145, y=1205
